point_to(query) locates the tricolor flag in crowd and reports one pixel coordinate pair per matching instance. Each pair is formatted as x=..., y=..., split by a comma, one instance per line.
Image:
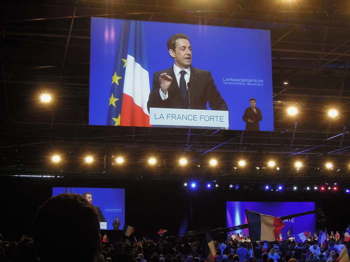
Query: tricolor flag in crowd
x=129, y=231
x=302, y=237
x=264, y=227
x=322, y=238
x=347, y=236
x=211, y=248
x=343, y=254
x=130, y=86
x=162, y=231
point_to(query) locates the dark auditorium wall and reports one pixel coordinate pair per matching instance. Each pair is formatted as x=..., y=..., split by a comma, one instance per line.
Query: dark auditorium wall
x=151, y=205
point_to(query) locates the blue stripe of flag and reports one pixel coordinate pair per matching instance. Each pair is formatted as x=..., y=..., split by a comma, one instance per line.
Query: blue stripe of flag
x=254, y=224
x=136, y=47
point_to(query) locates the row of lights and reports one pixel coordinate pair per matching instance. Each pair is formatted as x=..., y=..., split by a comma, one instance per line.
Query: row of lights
x=183, y=162
x=323, y=188
x=292, y=111
x=120, y=160
x=194, y=185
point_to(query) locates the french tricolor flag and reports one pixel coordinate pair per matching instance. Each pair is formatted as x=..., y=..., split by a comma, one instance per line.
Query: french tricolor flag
x=130, y=85
x=343, y=254
x=302, y=237
x=136, y=89
x=264, y=227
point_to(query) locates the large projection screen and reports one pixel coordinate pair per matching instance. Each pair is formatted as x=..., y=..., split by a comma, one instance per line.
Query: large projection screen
x=110, y=202
x=228, y=67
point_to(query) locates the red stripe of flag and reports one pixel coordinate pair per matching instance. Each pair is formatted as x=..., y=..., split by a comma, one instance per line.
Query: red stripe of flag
x=132, y=114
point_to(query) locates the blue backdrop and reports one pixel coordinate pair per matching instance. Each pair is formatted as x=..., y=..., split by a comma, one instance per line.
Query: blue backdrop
x=235, y=214
x=111, y=201
x=239, y=60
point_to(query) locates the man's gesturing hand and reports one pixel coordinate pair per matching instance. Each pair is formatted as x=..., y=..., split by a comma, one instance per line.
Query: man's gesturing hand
x=165, y=82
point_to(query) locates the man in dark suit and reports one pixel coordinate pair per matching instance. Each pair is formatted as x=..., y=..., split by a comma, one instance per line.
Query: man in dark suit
x=252, y=116
x=88, y=197
x=183, y=86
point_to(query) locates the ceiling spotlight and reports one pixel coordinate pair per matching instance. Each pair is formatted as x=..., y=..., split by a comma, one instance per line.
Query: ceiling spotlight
x=335, y=188
x=292, y=111
x=347, y=191
x=332, y=113
x=185, y=184
x=322, y=188
x=230, y=186
x=89, y=159
x=216, y=185
x=183, y=161
x=45, y=98
x=308, y=188
x=209, y=186
x=329, y=165
x=295, y=188
x=298, y=165
x=213, y=162
x=267, y=187
x=280, y=188
x=193, y=185
x=315, y=188
x=119, y=160
x=242, y=163
x=152, y=161
x=56, y=159
x=271, y=163
x=285, y=83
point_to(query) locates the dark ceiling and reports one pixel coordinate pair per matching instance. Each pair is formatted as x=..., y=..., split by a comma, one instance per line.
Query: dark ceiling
x=46, y=45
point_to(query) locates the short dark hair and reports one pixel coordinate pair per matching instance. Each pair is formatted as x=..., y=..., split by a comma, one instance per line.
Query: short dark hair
x=171, y=43
x=67, y=229
x=252, y=99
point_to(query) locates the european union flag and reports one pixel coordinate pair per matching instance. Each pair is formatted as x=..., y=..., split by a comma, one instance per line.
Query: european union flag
x=116, y=97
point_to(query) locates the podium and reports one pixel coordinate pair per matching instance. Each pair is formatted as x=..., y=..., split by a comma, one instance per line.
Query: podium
x=193, y=118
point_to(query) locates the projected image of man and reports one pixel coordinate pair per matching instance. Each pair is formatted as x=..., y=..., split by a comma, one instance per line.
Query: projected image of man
x=89, y=198
x=252, y=116
x=183, y=86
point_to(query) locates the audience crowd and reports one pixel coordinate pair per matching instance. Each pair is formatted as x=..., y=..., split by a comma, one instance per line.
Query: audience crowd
x=173, y=249
x=66, y=229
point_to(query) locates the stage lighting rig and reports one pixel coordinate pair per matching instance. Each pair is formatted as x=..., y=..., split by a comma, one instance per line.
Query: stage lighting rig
x=271, y=164
x=56, y=159
x=183, y=161
x=213, y=162
x=292, y=111
x=89, y=159
x=152, y=161
x=45, y=98
x=242, y=163
x=329, y=165
x=333, y=113
x=119, y=160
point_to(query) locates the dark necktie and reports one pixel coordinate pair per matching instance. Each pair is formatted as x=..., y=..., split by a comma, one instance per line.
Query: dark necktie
x=183, y=89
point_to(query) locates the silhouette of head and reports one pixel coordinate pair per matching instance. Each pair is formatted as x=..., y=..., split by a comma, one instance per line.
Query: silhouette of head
x=67, y=229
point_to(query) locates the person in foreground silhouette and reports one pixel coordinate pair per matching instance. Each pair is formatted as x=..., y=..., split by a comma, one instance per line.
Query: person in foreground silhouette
x=66, y=229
